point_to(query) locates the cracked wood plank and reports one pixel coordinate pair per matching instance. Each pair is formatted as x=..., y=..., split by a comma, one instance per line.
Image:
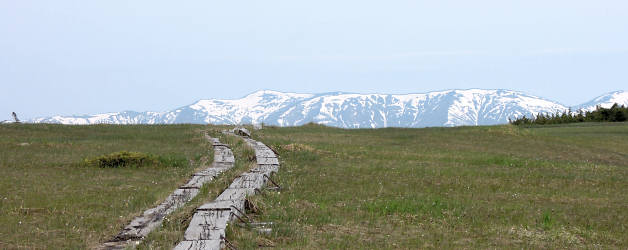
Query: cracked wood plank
x=208, y=224
x=266, y=168
x=266, y=161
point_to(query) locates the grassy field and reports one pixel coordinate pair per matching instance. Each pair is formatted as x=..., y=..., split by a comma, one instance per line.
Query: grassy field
x=49, y=199
x=466, y=187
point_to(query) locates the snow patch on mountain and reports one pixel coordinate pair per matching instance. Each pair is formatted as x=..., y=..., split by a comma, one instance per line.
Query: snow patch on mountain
x=350, y=110
x=606, y=101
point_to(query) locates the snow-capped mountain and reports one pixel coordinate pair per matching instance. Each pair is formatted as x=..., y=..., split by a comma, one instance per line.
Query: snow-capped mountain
x=606, y=101
x=348, y=110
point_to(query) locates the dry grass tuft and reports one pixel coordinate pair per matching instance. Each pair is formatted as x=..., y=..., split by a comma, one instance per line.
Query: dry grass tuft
x=296, y=147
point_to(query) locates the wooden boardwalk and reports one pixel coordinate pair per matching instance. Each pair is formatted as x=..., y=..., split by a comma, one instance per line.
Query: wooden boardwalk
x=207, y=227
x=142, y=225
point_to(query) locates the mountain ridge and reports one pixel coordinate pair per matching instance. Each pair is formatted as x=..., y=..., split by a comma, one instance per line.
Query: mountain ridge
x=454, y=107
x=606, y=100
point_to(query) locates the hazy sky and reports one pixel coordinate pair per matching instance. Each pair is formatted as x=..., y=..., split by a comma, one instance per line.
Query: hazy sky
x=82, y=57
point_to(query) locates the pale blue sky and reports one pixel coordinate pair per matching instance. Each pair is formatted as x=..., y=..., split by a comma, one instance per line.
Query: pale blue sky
x=83, y=57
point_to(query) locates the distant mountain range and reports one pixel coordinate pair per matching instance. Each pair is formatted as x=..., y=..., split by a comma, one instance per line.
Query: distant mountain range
x=348, y=110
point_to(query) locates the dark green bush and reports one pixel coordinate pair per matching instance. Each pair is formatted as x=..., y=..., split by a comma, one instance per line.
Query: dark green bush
x=122, y=159
x=135, y=159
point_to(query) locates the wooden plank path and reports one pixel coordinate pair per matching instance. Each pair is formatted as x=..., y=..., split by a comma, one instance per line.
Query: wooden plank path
x=208, y=225
x=142, y=225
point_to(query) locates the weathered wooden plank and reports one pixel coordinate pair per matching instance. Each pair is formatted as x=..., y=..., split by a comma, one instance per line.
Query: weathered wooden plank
x=208, y=224
x=248, y=180
x=222, y=151
x=266, y=168
x=197, y=181
x=199, y=245
x=222, y=148
x=152, y=218
x=222, y=166
x=235, y=194
x=266, y=161
x=265, y=154
x=179, y=197
x=211, y=139
x=238, y=203
x=219, y=144
x=224, y=157
x=213, y=172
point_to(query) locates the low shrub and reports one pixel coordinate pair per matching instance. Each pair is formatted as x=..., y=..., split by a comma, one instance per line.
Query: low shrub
x=135, y=159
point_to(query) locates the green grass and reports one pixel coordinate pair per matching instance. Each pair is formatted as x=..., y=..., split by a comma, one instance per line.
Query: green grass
x=50, y=199
x=560, y=186
x=467, y=187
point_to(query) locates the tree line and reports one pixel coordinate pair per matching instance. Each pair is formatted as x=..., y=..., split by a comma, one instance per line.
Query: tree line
x=614, y=114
